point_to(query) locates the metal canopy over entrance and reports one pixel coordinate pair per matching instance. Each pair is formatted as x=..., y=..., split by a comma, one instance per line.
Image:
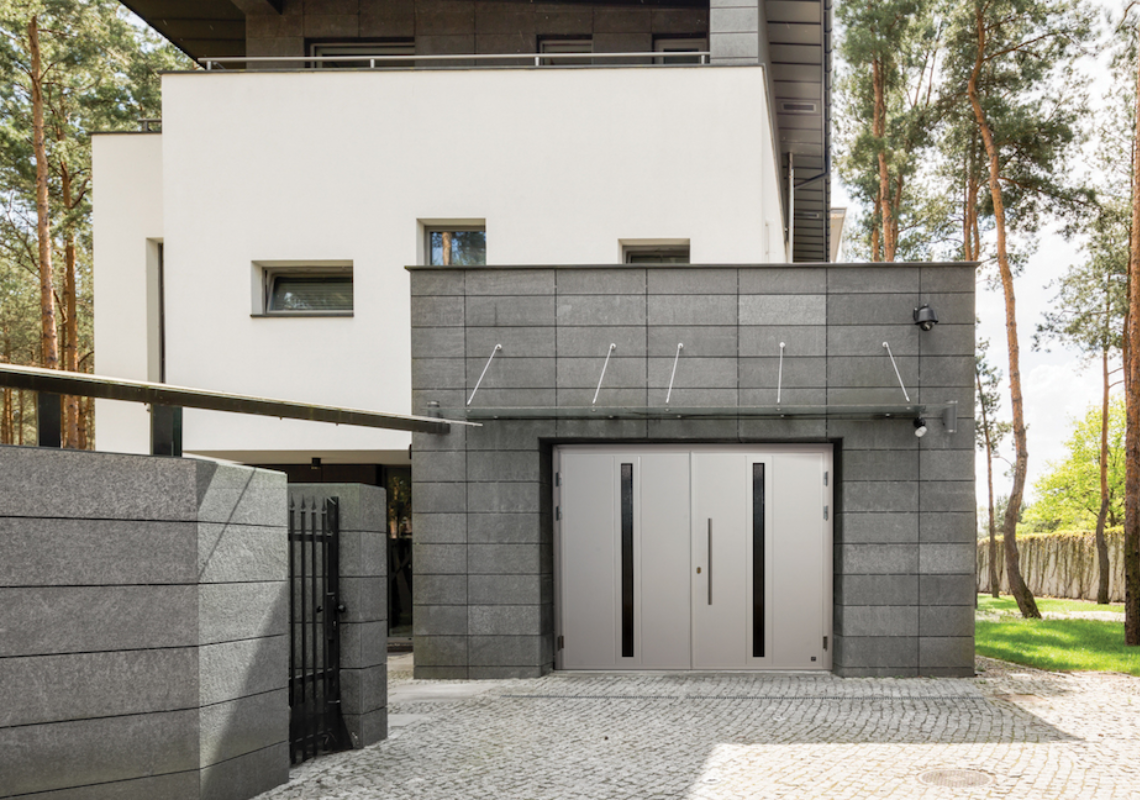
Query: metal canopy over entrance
x=884, y=411
x=693, y=557
x=170, y=400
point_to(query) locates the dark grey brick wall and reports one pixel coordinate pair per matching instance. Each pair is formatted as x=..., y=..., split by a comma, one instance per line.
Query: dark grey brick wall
x=904, y=530
x=145, y=639
x=442, y=27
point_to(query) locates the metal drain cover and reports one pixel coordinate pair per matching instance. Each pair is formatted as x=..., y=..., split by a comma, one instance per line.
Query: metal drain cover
x=955, y=778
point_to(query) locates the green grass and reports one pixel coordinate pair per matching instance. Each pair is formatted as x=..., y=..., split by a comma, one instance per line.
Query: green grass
x=1054, y=644
x=1007, y=605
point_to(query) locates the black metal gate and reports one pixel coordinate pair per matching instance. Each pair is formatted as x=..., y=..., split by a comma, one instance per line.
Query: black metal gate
x=315, y=722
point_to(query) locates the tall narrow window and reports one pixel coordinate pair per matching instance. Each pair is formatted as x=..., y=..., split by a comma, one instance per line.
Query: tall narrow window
x=458, y=247
x=627, y=560
x=758, y=560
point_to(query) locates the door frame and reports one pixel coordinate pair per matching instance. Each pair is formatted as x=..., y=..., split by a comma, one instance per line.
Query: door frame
x=762, y=449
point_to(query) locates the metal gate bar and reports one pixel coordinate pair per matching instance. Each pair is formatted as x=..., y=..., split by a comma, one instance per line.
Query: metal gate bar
x=315, y=722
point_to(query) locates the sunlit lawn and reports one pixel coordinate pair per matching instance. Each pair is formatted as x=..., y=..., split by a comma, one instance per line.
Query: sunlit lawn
x=1071, y=643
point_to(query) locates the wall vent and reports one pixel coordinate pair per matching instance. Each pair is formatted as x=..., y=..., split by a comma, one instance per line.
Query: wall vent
x=799, y=107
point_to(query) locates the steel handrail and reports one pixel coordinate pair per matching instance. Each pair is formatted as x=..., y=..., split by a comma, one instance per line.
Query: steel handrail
x=536, y=59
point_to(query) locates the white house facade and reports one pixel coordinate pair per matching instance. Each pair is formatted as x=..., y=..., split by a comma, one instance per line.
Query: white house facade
x=599, y=230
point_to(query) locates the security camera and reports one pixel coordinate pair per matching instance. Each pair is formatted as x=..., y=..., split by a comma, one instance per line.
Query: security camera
x=920, y=427
x=924, y=317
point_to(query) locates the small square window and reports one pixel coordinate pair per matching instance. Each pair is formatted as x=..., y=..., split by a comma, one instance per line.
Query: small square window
x=457, y=246
x=312, y=291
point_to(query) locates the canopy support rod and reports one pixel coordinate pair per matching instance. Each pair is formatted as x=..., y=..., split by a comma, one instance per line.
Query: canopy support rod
x=602, y=377
x=897, y=375
x=483, y=374
x=672, y=377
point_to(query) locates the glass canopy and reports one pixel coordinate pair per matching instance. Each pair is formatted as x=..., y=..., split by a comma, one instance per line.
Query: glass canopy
x=852, y=412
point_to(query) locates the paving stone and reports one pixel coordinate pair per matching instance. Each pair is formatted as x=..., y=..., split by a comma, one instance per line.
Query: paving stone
x=610, y=736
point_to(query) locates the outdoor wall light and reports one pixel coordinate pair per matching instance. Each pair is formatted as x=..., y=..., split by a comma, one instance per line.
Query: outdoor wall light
x=950, y=417
x=924, y=317
x=920, y=427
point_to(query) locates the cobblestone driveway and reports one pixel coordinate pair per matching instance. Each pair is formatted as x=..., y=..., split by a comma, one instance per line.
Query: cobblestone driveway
x=1034, y=734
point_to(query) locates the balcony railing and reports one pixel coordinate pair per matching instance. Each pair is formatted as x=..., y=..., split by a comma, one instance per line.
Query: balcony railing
x=548, y=60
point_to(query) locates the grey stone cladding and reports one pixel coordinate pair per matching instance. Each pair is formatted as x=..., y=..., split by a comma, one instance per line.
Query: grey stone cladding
x=144, y=650
x=904, y=525
x=450, y=27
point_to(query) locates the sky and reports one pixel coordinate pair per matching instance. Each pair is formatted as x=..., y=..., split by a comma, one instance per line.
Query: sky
x=1058, y=386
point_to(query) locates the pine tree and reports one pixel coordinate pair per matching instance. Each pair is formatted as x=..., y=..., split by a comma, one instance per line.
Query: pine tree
x=1004, y=55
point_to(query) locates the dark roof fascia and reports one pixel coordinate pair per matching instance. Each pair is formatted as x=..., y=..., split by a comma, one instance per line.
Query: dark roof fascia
x=900, y=265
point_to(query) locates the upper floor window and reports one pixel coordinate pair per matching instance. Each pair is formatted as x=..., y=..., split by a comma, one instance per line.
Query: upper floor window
x=576, y=45
x=676, y=47
x=459, y=246
x=356, y=55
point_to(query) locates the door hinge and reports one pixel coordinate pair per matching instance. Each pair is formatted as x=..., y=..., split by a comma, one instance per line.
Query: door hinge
x=825, y=513
x=825, y=478
x=557, y=478
x=561, y=642
x=558, y=512
x=824, y=642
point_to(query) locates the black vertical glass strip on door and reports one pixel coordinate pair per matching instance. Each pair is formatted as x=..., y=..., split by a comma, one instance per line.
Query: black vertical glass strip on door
x=627, y=560
x=758, y=560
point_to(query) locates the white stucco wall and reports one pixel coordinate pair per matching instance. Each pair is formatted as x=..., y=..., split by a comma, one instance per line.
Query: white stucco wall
x=330, y=165
x=127, y=224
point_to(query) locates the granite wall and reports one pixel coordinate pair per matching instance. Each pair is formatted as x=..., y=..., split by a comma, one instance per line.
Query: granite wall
x=144, y=651
x=449, y=27
x=904, y=527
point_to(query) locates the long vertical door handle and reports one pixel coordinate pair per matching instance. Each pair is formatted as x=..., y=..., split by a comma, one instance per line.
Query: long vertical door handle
x=710, y=561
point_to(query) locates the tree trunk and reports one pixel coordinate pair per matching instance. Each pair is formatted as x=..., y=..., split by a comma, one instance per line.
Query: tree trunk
x=71, y=321
x=86, y=412
x=20, y=428
x=445, y=256
x=1102, y=515
x=879, y=130
x=1020, y=591
x=6, y=419
x=49, y=342
x=995, y=586
x=1132, y=436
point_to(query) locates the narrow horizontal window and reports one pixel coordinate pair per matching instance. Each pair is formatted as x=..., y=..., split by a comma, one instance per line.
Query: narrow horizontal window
x=330, y=294
x=678, y=254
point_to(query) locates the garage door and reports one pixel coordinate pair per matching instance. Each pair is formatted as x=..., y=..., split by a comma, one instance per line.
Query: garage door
x=706, y=558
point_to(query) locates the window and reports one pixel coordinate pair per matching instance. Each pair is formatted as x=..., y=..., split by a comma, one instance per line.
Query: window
x=460, y=246
x=694, y=45
x=581, y=45
x=656, y=254
x=361, y=52
x=304, y=290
